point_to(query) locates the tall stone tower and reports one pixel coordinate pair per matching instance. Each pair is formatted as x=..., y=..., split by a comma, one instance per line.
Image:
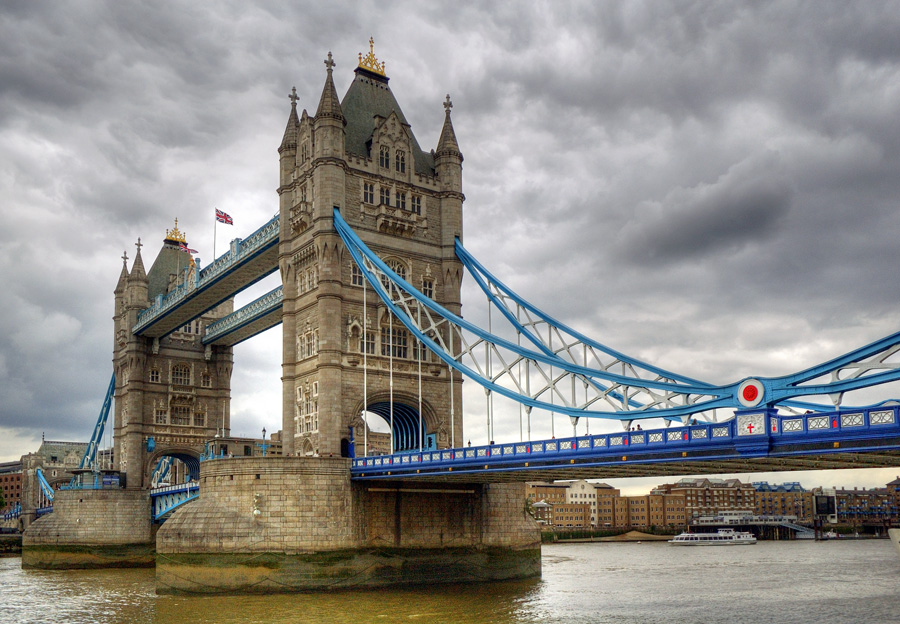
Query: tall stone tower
x=359, y=154
x=172, y=393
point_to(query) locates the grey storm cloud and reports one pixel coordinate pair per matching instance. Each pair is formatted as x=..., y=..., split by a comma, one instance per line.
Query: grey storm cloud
x=743, y=207
x=708, y=186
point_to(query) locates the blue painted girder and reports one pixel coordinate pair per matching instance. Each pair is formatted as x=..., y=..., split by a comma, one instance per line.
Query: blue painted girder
x=699, y=396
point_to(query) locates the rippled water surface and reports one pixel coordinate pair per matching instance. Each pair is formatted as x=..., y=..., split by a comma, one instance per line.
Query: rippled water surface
x=787, y=582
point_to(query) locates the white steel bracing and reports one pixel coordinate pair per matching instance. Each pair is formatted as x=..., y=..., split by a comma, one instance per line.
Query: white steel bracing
x=535, y=377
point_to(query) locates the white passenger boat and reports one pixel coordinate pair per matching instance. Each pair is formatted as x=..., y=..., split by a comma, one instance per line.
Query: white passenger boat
x=724, y=537
x=894, y=535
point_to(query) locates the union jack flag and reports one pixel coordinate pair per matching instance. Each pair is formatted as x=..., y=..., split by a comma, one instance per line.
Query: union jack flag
x=187, y=249
x=223, y=217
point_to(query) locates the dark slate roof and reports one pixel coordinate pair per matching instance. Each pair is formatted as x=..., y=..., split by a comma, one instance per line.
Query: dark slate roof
x=369, y=95
x=170, y=261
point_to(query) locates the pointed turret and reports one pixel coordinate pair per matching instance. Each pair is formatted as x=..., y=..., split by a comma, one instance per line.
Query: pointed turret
x=329, y=104
x=448, y=159
x=447, y=144
x=123, y=276
x=289, y=141
x=137, y=269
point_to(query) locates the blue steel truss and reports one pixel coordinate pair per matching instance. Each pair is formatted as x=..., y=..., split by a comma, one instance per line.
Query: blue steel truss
x=576, y=376
x=165, y=500
x=89, y=459
x=45, y=486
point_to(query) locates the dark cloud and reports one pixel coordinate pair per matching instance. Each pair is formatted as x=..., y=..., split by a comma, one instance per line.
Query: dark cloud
x=742, y=208
x=710, y=187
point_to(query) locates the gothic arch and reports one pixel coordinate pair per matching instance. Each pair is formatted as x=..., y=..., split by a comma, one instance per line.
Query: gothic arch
x=406, y=417
x=188, y=456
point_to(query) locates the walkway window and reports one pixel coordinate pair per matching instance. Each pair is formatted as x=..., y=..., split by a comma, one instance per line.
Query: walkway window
x=401, y=161
x=368, y=193
x=181, y=375
x=384, y=159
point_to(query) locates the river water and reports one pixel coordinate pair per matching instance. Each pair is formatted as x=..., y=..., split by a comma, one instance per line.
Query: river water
x=783, y=582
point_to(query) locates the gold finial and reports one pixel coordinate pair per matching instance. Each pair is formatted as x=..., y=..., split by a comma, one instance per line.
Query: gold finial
x=175, y=234
x=370, y=62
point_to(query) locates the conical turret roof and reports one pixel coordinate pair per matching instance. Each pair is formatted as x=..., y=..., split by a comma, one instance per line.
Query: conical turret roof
x=447, y=143
x=329, y=104
x=289, y=141
x=137, y=269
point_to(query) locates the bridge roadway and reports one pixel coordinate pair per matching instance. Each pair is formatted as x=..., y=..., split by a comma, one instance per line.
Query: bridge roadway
x=862, y=438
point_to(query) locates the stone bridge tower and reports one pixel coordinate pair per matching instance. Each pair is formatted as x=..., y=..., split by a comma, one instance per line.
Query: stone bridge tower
x=359, y=154
x=172, y=393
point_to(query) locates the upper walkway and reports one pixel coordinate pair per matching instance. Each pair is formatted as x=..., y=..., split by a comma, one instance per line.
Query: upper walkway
x=248, y=261
x=751, y=442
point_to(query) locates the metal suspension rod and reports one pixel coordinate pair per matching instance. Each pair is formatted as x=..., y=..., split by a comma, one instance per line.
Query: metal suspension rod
x=365, y=350
x=419, y=358
x=452, y=393
x=391, y=374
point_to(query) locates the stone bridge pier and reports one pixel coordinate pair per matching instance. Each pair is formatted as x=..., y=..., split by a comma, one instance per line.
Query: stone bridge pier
x=266, y=524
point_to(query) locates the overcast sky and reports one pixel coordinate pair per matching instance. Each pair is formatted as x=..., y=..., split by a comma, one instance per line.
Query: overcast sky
x=710, y=186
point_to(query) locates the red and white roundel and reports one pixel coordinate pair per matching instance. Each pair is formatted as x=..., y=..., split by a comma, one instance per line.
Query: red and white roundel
x=750, y=393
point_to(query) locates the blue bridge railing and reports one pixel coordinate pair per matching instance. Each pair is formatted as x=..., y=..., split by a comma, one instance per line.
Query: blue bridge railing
x=739, y=434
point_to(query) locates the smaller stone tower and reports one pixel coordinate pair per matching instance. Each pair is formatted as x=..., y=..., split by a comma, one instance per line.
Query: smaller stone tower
x=172, y=394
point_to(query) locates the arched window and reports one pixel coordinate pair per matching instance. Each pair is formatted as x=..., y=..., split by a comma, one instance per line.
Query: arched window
x=401, y=161
x=384, y=159
x=181, y=375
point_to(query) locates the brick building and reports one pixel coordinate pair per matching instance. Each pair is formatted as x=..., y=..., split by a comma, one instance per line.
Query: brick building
x=10, y=484
x=785, y=499
x=711, y=497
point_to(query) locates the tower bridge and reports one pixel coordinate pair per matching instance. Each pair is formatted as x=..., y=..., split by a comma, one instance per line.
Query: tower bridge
x=368, y=241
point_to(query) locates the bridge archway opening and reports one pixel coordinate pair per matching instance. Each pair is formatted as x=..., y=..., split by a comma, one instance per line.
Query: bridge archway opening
x=406, y=425
x=185, y=466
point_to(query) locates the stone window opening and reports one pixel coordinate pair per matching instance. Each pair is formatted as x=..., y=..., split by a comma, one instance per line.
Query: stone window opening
x=428, y=287
x=154, y=375
x=356, y=275
x=384, y=158
x=401, y=161
x=394, y=341
x=368, y=193
x=416, y=204
x=181, y=415
x=384, y=195
x=181, y=375
x=401, y=200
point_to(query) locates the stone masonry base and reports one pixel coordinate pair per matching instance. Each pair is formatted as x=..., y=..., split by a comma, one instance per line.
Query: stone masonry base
x=265, y=524
x=91, y=529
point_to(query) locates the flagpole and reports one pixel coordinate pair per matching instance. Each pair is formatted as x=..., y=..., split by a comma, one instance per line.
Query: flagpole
x=215, y=221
